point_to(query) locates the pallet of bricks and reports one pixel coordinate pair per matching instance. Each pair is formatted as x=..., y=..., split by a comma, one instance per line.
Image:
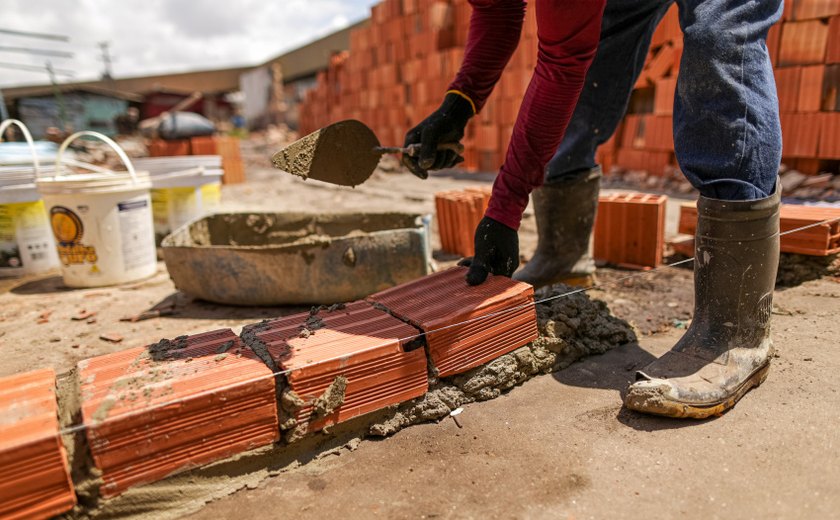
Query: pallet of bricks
x=227, y=147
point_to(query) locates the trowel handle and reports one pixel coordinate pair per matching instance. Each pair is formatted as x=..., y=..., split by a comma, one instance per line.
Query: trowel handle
x=413, y=149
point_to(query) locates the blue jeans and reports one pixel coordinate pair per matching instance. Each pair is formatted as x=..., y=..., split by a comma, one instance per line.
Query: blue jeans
x=727, y=136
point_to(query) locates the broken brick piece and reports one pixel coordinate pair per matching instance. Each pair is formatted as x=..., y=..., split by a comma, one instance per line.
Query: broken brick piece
x=357, y=348
x=35, y=479
x=155, y=410
x=465, y=326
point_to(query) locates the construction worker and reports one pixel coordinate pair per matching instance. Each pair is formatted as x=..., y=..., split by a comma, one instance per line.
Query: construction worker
x=728, y=144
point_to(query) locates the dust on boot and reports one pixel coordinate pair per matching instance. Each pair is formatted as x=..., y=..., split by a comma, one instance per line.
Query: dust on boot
x=727, y=349
x=565, y=214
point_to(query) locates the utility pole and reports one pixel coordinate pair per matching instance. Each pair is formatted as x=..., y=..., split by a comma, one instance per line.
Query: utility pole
x=106, y=59
x=59, y=99
x=3, y=113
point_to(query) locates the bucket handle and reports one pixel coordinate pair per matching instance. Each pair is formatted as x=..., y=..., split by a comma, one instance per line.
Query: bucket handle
x=104, y=138
x=6, y=124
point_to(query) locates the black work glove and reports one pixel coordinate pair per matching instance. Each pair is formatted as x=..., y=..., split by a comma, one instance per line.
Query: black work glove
x=496, y=252
x=444, y=125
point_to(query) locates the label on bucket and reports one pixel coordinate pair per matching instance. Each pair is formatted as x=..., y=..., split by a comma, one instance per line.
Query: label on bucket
x=135, y=230
x=25, y=240
x=69, y=231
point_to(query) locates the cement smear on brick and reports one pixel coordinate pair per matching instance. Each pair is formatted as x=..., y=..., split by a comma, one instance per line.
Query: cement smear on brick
x=86, y=477
x=570, y=328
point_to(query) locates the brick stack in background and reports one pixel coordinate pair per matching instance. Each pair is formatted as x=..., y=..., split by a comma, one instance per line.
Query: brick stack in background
x=645, y=139
x=399, y=66
x=819, y=240
x=227, y=147
x=458, y=214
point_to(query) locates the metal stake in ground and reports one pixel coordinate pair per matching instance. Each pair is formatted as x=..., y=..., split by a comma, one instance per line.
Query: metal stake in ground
x=344, y=153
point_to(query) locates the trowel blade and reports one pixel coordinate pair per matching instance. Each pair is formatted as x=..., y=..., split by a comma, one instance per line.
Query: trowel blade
x=342, y=153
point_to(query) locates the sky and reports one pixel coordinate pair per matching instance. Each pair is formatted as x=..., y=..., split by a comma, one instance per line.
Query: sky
x=159, y=36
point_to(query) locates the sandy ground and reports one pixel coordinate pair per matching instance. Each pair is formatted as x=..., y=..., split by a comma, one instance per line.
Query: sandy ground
x=559, y=446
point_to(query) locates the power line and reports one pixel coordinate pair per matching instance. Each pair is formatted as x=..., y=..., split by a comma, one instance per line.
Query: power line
x=35, y=68
x=40, y=52
x=43, y=36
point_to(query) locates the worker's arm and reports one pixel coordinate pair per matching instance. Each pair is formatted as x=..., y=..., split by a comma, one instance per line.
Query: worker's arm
x=495, y=26
x=568, y=32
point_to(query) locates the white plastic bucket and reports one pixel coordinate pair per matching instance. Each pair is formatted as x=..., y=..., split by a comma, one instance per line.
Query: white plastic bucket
x=180, y=192
x=102, y=221
x=26, y=243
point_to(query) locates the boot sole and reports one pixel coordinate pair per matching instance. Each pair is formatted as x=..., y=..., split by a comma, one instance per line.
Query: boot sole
x=681, y=410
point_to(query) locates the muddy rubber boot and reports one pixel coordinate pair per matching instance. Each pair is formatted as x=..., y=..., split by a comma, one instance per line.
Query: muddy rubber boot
x=727, y=349
x=565, y=215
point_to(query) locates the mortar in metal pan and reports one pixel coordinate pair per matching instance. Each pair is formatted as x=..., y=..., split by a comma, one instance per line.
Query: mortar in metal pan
x=296, y=258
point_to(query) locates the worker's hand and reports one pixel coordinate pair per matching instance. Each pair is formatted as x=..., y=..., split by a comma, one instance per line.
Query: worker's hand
x=444, y=125
x=496, y=252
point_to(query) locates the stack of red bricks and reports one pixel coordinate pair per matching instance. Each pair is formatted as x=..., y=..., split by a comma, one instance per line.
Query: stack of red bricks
x=399, y=66
x=822, y=239
x=644, y=141
x=458, y=213
x=805, y=49
x=153, y=411
x=227, y=147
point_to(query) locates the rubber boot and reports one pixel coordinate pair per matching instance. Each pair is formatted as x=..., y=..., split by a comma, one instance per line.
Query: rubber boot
x=565, y=215
x=727, y=349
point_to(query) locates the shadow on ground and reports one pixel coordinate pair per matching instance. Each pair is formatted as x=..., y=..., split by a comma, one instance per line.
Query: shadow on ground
x=615, y=370
x=179, y=305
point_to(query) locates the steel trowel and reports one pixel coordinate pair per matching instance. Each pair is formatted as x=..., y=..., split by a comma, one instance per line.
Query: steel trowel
x=344, y=153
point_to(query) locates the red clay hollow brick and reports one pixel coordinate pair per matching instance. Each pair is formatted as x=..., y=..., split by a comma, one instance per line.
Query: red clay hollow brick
x=156, y=410
x=821, y=240
x=379, y=357
x=35, y=479
x=499, y=315
x=630, y=230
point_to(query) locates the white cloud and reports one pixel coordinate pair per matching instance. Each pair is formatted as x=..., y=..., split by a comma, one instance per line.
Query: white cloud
x=153, y=36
